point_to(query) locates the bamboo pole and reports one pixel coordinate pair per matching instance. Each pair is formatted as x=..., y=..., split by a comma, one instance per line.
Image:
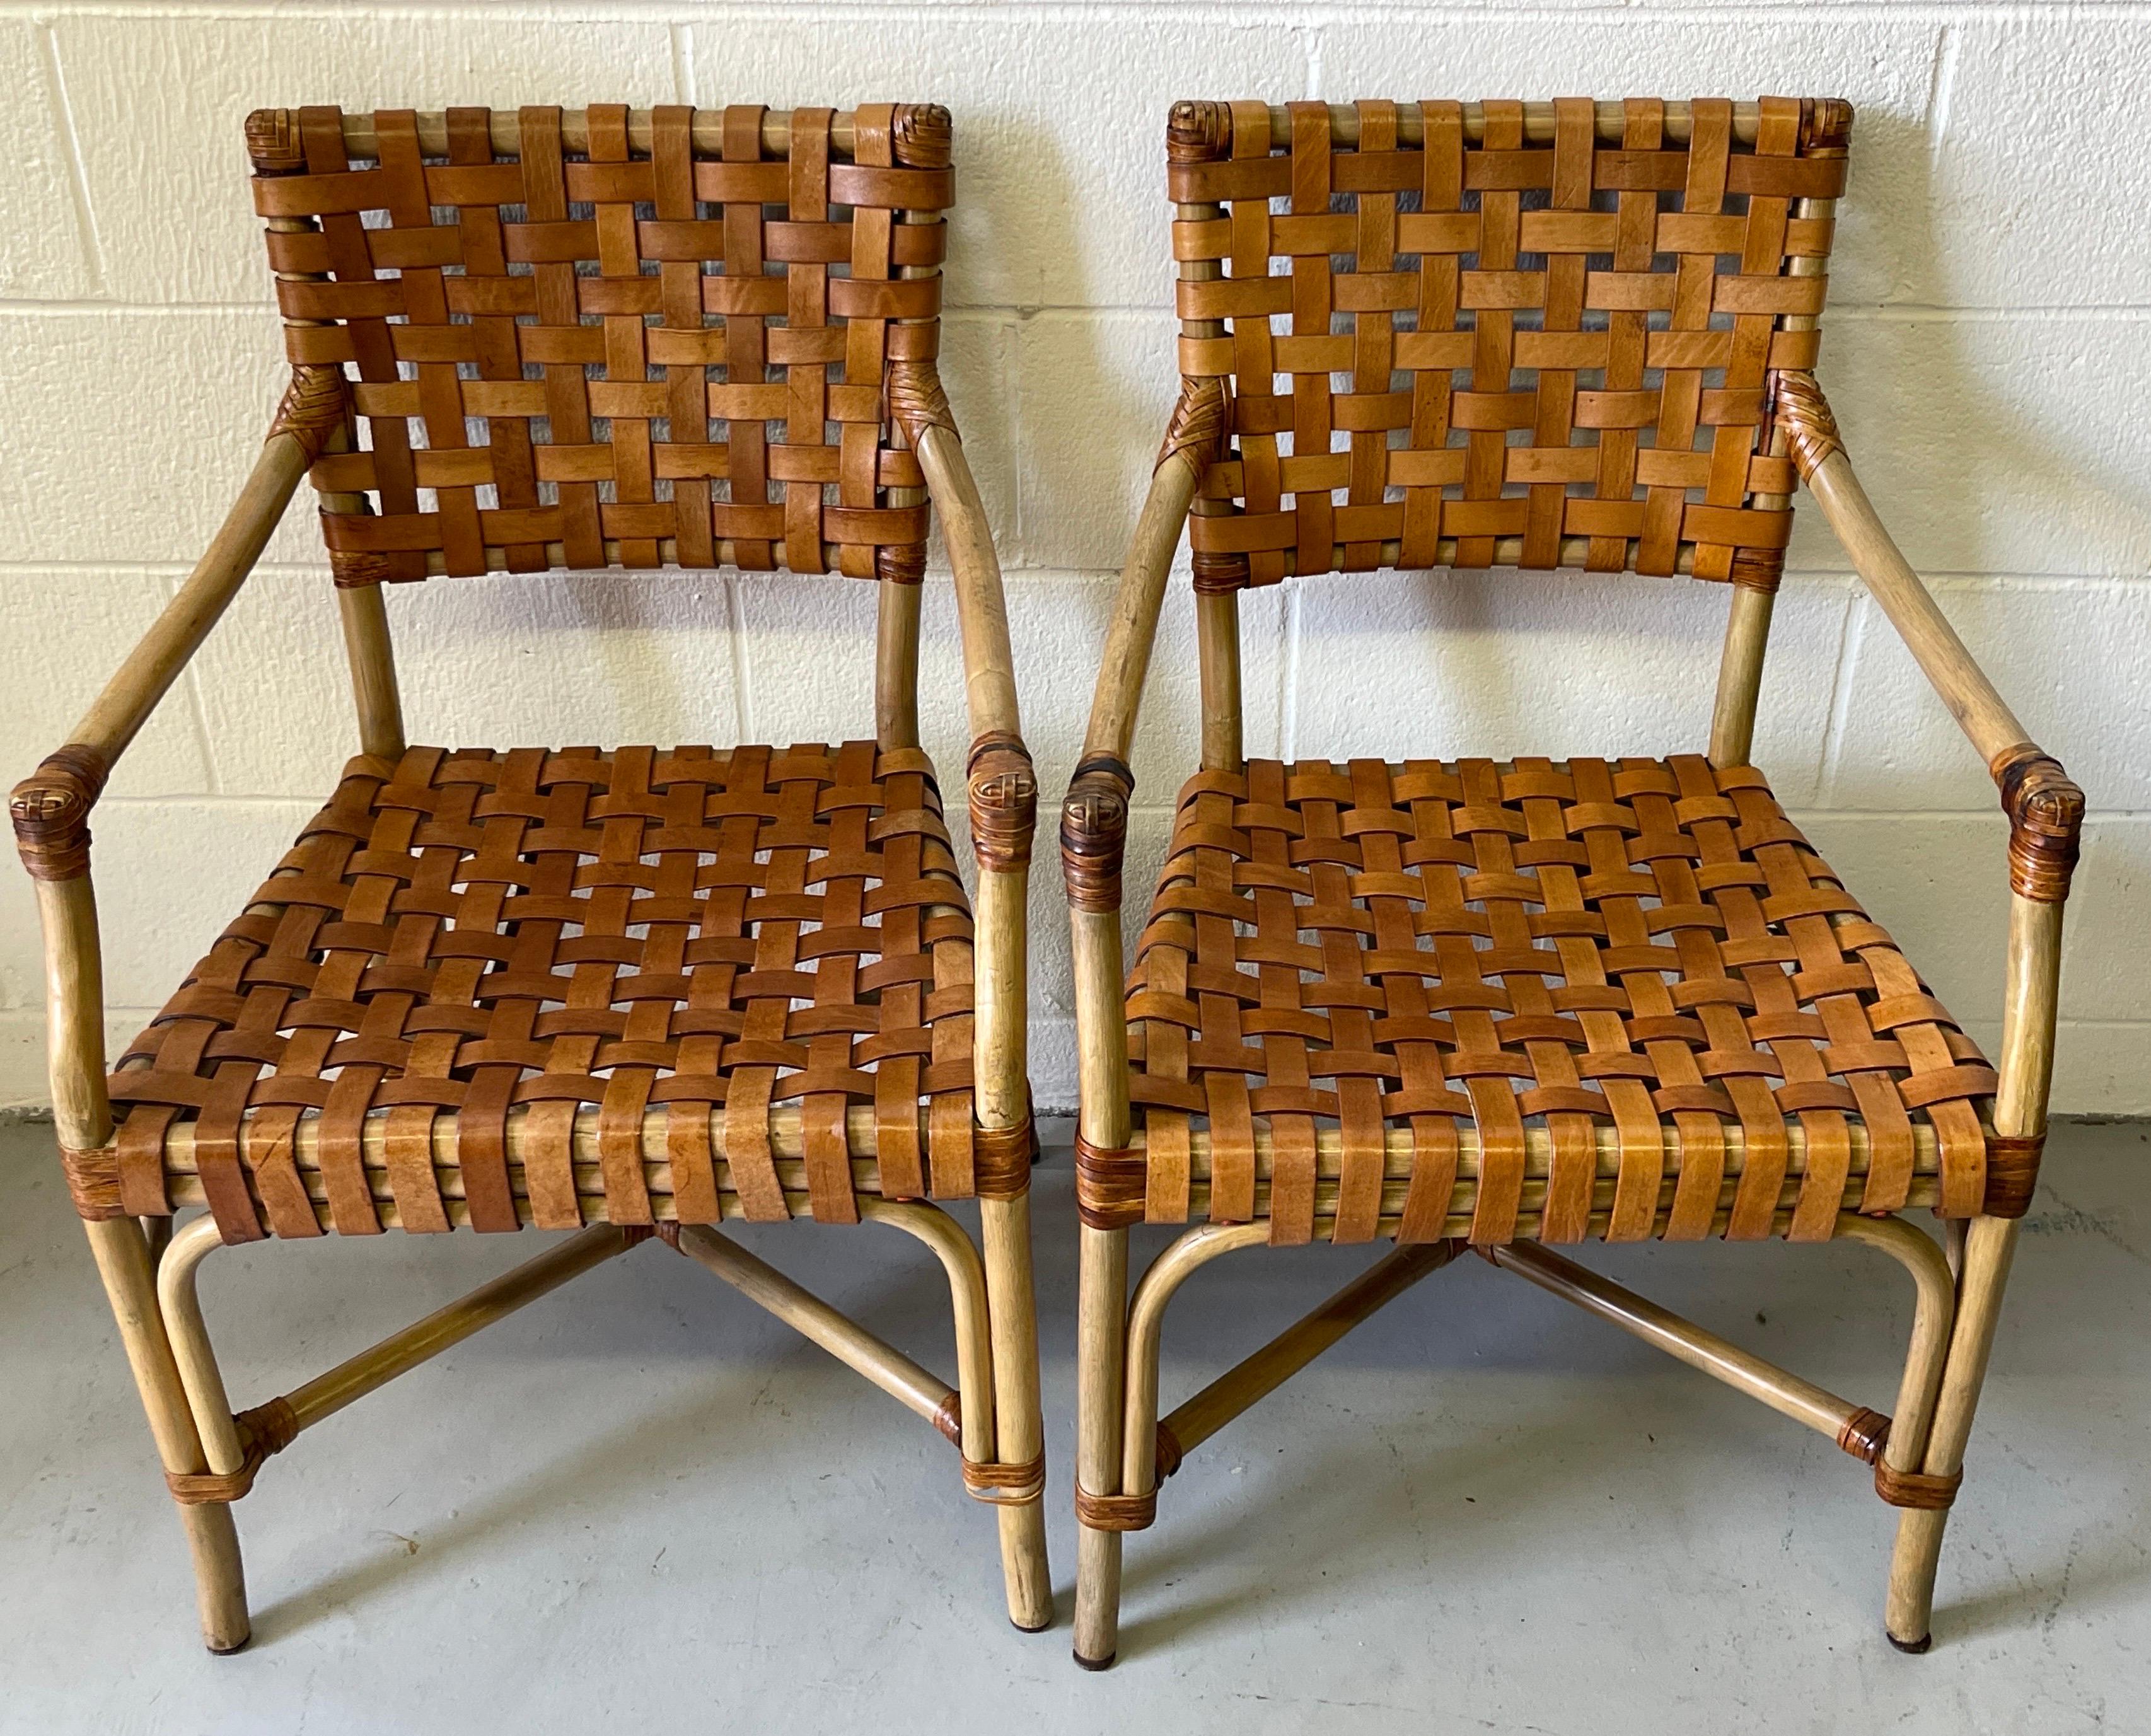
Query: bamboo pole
x=1934, y=1312
x=373, y=658
x=1783, y=1391
x=1256, y=1376
x=851, y=1343
x=1217, y=639
x=1740, y=677
x=361, y=140
x=149, y=670
x=967, y=1295
x=400, y=1353
x=1133, y=630
x=123, y=1262
x=981, y=608
x=1912, y=611
x=2031, y=1006
x=896, y=658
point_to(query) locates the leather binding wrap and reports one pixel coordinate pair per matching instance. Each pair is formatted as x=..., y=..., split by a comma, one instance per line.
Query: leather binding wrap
x=1865, y=1434
x=1001, y=1159
x=1758, y=568
x=264, y=1432
x=50, y=810
x=2012, y=1173
x=1004, y=797
x=1804, y=412
x=916, y=401
x=1916, y=1489
x=1199, y=132
x=921, y=135
x=2046, y=812
x=312, y=409
x=1108, y=1186
x=1200, y=416
x=1094, y=833
x=93, y=1180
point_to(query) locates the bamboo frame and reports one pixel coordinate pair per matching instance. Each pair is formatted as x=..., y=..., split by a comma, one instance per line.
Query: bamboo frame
x=1959, y=1287
x=167, y=1339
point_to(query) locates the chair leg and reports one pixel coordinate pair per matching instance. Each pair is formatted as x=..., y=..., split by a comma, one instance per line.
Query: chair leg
x=1101, y=1358
x=1012, y=1316
x=122, y=1261
x=1989, y=1245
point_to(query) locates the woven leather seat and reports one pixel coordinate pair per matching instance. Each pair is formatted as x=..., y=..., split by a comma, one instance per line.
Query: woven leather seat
x=484, y=988
x=1616, y=998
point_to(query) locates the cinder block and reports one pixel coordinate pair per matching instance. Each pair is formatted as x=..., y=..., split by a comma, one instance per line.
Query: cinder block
x=1439, y=665
x=1060, y=124
x=1993, y=442
x=47, y=255
x=2045, y=122
x=2105, y=943
x=2101, y=1069
x=168, y=178
x=71, y=626
x=147, y=425
x=1093, y=393
x=2072, y=659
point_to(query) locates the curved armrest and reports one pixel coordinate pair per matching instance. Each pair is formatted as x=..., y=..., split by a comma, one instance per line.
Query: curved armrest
x=2045, y=808
x=50, y=808
x=1094, y=819
x=1002, y=787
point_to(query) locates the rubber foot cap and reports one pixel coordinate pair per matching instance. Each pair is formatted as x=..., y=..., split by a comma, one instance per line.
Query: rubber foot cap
x=1040, y=1628
x=1916, y=1647
x=1095, y=1663
x=231, y=1651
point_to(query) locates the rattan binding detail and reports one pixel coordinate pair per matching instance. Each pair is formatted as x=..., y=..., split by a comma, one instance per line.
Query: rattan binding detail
x=315, y=406
x=948, y=1420
x=1108, y=1186
x=1002, y=1158
x=264, y=1431
x=1758, y=568
x=1552, y=354
x=50, y=811
x=2046, y=812
x=666, y=1230
x=92, y=1183
x=544, y=374
x=1200, y=416
x=916, y=401
x=1864, y=1435
x=1916, y=1489
x=1169, y=1452
x=1094, y=833
x=1005, y=1485
x=1003, y=798
x=1116, y=1512
x=2012, y=1173
x=1801, y=409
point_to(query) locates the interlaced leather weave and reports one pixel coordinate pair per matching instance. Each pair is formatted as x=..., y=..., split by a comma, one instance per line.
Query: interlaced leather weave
x=1639, y=945
x=547, y=373
x=1486, y=340
x=473, y=942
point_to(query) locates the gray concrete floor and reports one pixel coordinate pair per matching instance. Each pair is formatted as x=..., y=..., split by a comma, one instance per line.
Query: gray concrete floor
x=641, y=1499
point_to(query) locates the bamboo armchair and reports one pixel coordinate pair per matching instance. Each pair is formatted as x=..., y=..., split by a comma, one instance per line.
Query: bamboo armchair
x=1496, y=1006
x=628, y=994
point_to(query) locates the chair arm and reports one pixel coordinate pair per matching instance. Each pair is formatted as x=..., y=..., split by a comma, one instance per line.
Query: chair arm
x=1094, y=819
x=50, y=809
x=2045, y=808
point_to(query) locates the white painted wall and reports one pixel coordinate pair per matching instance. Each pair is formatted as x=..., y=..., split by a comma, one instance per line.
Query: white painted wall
x=1985, y=348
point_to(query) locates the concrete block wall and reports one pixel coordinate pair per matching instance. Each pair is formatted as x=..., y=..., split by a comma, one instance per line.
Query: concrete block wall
x=1986, y=349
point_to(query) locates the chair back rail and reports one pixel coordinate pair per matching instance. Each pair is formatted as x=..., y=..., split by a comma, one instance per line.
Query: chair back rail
x=612, y=337
x=1530, y=335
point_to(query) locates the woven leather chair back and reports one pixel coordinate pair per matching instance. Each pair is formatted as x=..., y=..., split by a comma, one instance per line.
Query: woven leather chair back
x=582, y=340
x=1496, y=335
